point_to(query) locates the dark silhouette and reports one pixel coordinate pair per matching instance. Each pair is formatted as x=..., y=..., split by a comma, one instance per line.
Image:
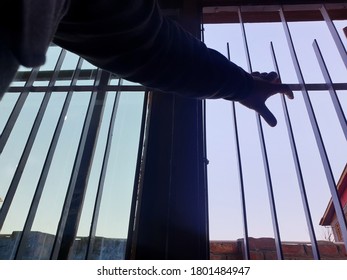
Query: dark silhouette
x=132, y=39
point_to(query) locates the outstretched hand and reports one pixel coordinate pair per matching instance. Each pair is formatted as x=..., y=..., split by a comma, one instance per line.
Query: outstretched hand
x=265, y=85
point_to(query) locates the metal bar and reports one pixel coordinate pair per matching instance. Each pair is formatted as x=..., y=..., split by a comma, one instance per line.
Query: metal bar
x=28, y=146
x=47, y=165
x=242, y=187
x=241, y=182
x=79, y=88
x=334, y=34
x=299, y=175
x=202, y=152
x=270, y=191
x=245, y=42
x=102, y=176
x=64, y=75
x=323, y=154
x=279, y=250
x=140, y=165
x=24, y=92
x=333, y=95
x=203, y=176
x=74, y=198
x=137, y=88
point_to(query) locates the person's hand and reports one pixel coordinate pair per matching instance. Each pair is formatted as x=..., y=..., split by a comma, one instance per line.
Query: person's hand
x=265, y=85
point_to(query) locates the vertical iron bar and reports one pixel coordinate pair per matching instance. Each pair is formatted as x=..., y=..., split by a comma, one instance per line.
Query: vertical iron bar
x=47, y=163
x=202, y=32
x=270, y=191
x=334, y=34
x=17, y=109
x=245, y=42
x=203, y=176
x=140, y=165
x=28, y=146
x=242, y=187
x=241, y=182
x=318, y=137
x=265, y=157
x=333, y=95
x=103, y=173
x=69, y=219
x=299, y=175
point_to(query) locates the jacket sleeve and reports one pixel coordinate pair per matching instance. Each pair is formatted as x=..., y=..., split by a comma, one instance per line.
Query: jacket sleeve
x=27, y=27
x=133, y=39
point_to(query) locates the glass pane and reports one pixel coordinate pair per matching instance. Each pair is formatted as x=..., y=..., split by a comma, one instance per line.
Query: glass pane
x=38, y=244
x=113, y=219
x=10, y=156
x=7, y=103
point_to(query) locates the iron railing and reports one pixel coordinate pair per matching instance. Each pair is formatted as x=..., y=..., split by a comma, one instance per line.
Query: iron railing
x=98, y=86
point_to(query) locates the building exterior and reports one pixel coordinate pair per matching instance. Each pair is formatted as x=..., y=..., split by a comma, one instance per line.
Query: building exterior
x=329, y=218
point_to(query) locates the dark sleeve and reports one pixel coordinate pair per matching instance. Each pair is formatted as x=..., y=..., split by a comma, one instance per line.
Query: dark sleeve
x=132, y=39
x=27, y=27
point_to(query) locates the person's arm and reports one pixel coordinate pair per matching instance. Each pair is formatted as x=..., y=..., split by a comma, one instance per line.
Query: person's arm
x=8, y=68
x=26, y=30
x=134, y=40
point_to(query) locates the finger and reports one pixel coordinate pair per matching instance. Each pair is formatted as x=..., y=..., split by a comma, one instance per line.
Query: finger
x=272, y=76
x=266, y=114
x=264, y=75
x=285, y=89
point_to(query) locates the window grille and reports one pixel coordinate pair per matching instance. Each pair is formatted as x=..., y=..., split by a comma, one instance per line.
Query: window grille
x=73, y=141
x=259, y=170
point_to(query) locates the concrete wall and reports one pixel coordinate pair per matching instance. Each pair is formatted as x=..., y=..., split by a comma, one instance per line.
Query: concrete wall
x=39, y=246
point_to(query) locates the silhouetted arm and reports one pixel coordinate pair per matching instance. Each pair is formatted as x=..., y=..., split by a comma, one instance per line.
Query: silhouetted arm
x=136, y=42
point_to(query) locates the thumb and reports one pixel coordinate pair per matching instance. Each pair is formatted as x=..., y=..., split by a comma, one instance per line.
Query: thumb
x=267, y=115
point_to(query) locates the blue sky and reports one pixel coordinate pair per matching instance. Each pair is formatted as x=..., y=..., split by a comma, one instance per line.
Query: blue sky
x=224, y=195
